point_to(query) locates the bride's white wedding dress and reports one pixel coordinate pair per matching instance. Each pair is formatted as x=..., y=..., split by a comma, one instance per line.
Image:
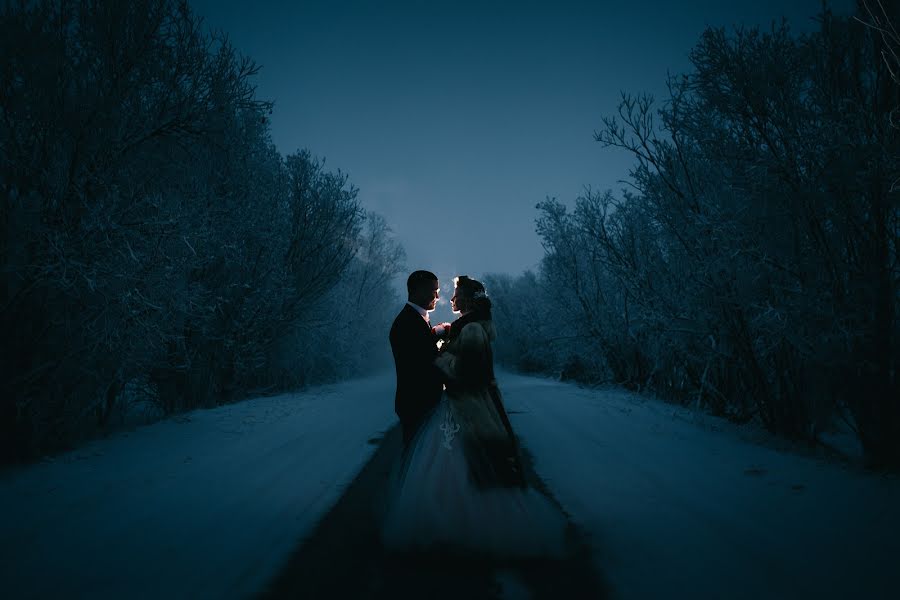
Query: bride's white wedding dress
x=459, y=485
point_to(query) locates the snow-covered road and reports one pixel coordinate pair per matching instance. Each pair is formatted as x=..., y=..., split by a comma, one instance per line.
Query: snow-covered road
x=211, y=504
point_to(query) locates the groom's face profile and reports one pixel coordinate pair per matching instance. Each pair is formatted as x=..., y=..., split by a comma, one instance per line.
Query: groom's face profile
x=426, y=294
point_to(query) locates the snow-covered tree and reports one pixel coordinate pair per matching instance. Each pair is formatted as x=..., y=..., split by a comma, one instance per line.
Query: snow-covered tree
x=154, y=242
x=753, y=267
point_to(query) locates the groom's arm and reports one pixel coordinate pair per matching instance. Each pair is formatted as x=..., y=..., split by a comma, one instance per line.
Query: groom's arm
x=415, y=348
x=426, y=355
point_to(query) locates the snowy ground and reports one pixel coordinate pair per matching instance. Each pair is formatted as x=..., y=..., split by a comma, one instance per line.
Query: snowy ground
x=680, y=505
x=210, y=505
x=203, y=506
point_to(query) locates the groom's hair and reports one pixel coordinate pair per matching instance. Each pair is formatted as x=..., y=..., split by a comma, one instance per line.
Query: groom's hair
x=419, y=279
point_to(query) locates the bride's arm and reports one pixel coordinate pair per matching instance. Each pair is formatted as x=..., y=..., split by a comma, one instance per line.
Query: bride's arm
x=467, y=362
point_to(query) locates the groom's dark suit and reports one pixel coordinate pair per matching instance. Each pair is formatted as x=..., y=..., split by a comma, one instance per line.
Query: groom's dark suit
x=419, y=381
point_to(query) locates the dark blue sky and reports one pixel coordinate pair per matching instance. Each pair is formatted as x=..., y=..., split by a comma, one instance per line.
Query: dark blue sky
x=454, y=118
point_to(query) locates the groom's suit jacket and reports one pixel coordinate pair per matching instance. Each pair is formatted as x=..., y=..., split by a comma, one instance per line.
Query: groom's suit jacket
x=419, y=381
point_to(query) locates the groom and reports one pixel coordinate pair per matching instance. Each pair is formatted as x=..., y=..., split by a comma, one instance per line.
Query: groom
x=419, y=381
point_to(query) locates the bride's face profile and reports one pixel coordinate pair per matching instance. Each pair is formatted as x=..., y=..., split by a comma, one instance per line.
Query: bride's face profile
x=457, y=302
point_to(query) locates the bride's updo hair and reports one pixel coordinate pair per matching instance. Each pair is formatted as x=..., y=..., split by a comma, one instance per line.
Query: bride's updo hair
x=474, y=293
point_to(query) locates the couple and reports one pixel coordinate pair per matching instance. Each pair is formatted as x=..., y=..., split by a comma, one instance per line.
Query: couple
x=459, y=485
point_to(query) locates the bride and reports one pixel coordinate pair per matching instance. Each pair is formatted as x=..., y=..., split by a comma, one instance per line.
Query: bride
x=460, y=483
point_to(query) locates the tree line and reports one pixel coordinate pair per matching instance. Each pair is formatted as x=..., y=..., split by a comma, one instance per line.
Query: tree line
x=157, y=249
x=752, y=265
